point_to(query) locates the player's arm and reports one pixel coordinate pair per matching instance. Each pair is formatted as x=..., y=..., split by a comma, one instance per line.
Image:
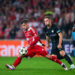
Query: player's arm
x=58, y=31
x=60, y=39
x=48, y=41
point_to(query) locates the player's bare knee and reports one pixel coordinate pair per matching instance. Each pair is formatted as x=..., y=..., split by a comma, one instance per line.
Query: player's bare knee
x=21, y=56
x=48, y=56
x=54, y=55
x=62, y=53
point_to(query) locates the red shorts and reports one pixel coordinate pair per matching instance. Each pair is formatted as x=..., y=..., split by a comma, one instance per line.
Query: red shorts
x=36, y=50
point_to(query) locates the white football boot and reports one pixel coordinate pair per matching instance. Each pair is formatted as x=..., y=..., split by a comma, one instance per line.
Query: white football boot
x=72, y=66
x=10, y=67
x=64, y=66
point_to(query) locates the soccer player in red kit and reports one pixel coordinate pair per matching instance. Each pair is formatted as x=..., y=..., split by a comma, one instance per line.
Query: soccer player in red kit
x=34, y=47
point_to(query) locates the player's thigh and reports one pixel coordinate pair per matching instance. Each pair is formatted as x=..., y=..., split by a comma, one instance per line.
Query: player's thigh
x=55, y=51
x=34, y=50
x=43, y=53
x=30, y=53
x=40, y=50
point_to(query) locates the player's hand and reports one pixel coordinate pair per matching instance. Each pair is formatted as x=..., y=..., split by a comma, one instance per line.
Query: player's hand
x=59, y=46
x=48, y=46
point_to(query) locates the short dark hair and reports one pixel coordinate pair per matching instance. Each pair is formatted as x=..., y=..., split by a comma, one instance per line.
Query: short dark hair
x=49, y=17
x=25, y=21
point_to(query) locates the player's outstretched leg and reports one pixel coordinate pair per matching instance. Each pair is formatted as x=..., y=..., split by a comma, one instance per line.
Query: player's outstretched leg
x=68, y=59
x=53, y=58
x=15, y=64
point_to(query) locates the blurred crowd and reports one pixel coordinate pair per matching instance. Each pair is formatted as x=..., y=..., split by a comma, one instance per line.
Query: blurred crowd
x=13, y=11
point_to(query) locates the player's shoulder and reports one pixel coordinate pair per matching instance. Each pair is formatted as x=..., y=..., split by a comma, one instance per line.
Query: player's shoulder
x=54, y=25
x=31, y=28
x=45, y=29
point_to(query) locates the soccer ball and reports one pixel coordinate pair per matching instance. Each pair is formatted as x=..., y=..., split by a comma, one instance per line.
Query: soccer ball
x=23, y=51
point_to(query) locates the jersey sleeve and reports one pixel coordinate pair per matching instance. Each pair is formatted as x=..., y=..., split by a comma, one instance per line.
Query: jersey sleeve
x=57, y=30
x=34, y=38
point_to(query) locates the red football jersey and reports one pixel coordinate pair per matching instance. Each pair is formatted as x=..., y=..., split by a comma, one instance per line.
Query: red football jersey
x=32, y=36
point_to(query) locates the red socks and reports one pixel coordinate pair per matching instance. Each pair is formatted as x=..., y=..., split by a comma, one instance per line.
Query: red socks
x=17, y=61
x=53, y=58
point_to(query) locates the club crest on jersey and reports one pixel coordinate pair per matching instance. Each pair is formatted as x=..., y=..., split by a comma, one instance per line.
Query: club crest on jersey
x=52, y=31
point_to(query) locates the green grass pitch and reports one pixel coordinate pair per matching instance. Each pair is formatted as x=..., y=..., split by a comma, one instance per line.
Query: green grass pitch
x=34, y=66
